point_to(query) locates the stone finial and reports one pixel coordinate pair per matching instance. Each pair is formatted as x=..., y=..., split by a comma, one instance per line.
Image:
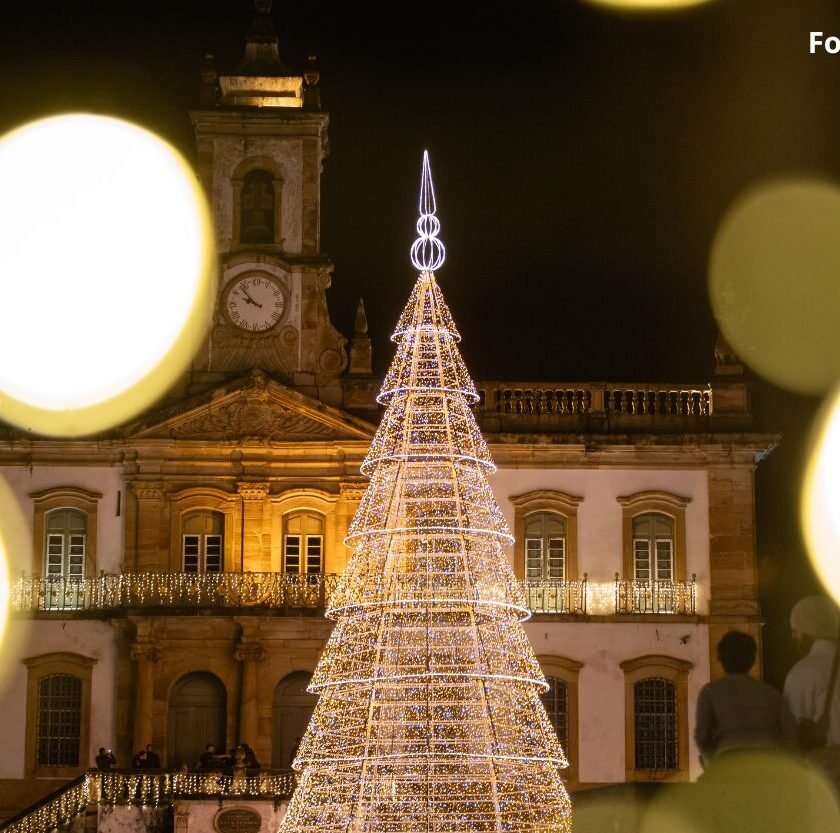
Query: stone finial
x=262, y=46
x=361, y=326
x=361, y=353
x=727, y=362
x=209, y=90
x=311, y=90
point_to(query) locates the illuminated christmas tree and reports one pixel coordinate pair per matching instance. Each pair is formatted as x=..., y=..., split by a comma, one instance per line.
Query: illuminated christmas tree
x=429, y=717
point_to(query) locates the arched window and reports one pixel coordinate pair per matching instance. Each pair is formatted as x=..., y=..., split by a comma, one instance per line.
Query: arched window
x=203, y=542
x=303, y=543
x=653, y=547
x=66, y=544
x=197, y=715
x=656, y=726
x=556, y=702
x=292, y=709
x=59, y=721
x=545, y=546
x=256, y=208
x=656, y=718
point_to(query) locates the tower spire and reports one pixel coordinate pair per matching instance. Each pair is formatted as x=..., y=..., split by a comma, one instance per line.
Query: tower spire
x=427, y=252
x=262, y=47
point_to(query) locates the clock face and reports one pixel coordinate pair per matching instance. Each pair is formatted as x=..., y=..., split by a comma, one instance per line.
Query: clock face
x=255, y=303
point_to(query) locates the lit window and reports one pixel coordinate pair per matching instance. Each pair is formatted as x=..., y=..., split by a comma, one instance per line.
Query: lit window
x=303, y=543
x=59, y=720
x=66, y=544
x=653, y=547
x=203, y=542
x=656, y=726
x=545, y=546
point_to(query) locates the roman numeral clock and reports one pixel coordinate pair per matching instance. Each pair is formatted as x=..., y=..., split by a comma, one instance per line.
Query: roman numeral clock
x=254, y=303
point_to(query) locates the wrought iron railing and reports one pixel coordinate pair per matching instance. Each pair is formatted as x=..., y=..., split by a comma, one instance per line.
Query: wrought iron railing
x=675, y=597
x=555, y=596
x=172, y=590
x=52, y=813
x=190, y=591
x=153, y=789
x=605, y=398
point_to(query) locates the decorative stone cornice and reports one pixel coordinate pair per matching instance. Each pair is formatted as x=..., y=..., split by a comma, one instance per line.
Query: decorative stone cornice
x=148, y=489
x=145, y=651
x=352, y=491
x=249, y=652
x=253, y=491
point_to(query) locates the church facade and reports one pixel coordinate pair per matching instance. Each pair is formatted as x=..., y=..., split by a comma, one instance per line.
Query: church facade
x=177, y=568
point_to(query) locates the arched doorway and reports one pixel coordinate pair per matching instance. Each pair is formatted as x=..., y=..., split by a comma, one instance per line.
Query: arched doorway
x=293, y=706
x=197, y=716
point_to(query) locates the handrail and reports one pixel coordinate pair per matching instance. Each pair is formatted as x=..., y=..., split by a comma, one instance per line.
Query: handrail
x=555, y=595
x=172, y=590
x=53, y=811
x=152, y=789
x=652, y=596
x=156, y=788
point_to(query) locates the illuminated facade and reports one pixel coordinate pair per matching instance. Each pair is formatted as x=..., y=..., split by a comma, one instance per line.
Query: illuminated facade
x=181, y=565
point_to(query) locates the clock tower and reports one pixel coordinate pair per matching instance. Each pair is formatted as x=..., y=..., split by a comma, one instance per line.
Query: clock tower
x=262, y=139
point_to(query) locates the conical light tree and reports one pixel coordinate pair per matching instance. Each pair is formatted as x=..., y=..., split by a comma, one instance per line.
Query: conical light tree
x=429, y=718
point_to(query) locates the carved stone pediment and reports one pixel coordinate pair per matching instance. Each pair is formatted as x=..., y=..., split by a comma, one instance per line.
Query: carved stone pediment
x=254, y=408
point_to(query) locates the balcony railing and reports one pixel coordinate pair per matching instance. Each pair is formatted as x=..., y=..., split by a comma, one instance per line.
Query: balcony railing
x=604, y=398
x=190, y=591
x=555, y=596
x=153, y=789
x=674, y=597
x=173, y=590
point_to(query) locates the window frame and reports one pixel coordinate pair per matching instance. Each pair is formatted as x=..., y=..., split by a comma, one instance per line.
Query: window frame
x=663, y=503
x=237, y=181
x=304, y=541
x=674, y=671
x=546, y=500
x=203, y=541
x=38, y=669
x=567, y=670
x=63, y=497
x=203, y=499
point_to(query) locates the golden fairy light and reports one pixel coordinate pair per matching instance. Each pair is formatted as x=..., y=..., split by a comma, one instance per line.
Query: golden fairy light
x=429, y=715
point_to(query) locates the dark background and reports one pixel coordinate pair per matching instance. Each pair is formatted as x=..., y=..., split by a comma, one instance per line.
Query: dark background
x=582, y=160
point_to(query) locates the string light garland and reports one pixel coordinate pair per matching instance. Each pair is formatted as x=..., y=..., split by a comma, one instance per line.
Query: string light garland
x=429, y=716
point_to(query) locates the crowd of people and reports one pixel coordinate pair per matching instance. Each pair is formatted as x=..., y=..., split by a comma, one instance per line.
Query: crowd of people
x=239, y=760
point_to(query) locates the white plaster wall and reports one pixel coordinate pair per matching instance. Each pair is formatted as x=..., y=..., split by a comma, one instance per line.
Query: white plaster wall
x=229, y=152
x=23, y=481
x=602, y=647
x=599, y=513
x=25, y=639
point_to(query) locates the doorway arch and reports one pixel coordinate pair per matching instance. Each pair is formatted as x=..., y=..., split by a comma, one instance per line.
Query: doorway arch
x=197, y=715
x=292, y=708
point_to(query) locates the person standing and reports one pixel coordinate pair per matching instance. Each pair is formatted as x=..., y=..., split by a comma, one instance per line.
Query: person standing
x=152, y=758
x=736, y=711
x=105, y=760
x=814, y=623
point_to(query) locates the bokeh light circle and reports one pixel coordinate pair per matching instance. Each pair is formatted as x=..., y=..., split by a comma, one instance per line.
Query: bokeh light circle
x=107, y=272
x=649, y=5
x=774, y=282
x=820, y=507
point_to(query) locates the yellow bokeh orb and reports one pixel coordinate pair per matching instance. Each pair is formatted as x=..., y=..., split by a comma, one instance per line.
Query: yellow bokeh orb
x=773, y=282
x=649, y=5
x=820, y=507
x=107, y=272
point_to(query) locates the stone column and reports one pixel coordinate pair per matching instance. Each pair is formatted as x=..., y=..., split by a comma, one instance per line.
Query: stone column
x=250, y=654
x=350, y=496
x=149, y=527
x=255, y=556
x=145, y=654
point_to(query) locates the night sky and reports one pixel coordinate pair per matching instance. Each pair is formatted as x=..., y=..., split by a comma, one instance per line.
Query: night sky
x=582, y=161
